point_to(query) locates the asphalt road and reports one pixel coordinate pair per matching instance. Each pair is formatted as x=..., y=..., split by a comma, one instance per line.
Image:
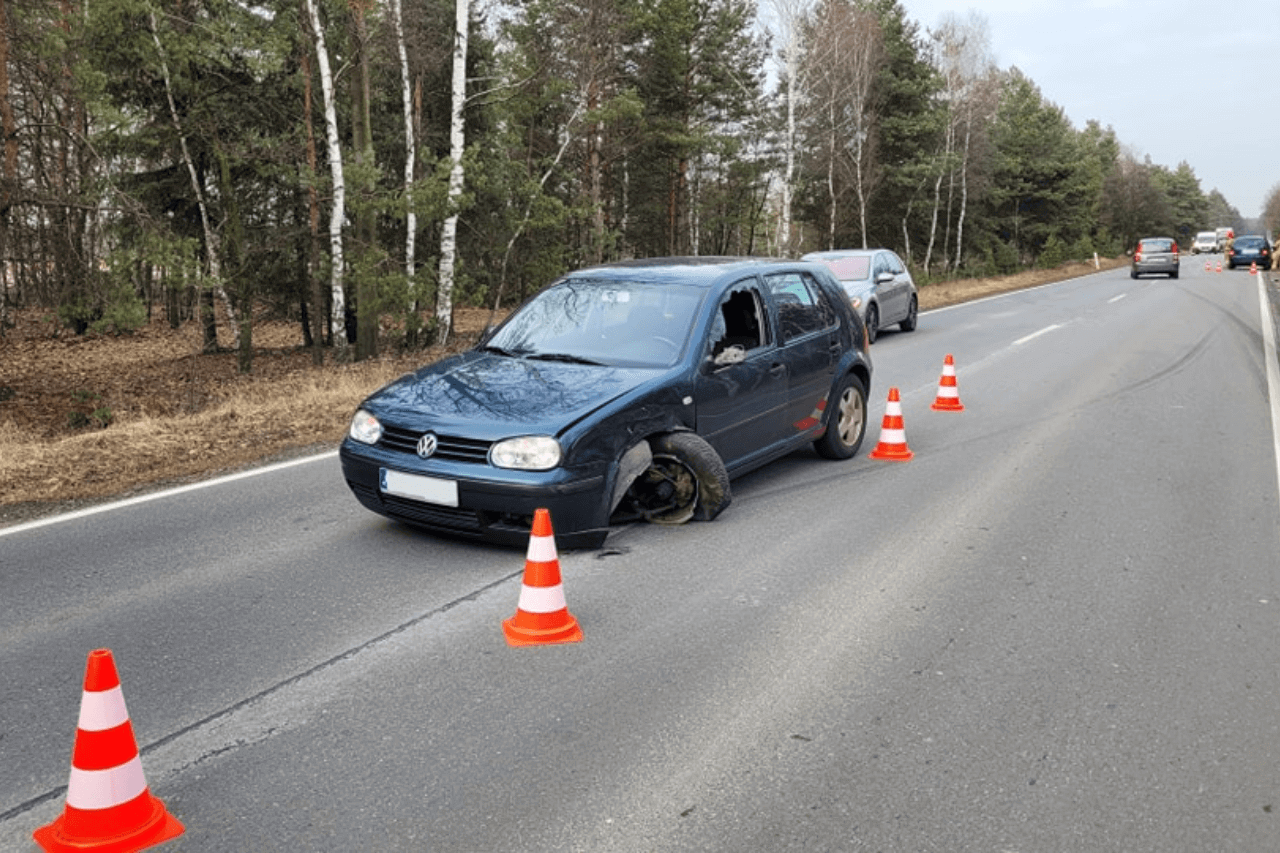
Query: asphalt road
x=1054, y=629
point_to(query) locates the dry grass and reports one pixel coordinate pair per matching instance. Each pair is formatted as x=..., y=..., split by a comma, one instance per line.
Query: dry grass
x=253, y=421
x=176, y=415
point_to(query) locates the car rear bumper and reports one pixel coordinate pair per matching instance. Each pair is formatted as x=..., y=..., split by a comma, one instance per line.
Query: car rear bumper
x=1155, y=268
x=489, y=510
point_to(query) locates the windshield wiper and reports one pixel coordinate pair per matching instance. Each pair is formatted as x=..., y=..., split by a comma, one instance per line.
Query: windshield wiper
x=561, y=356
x=501, y=351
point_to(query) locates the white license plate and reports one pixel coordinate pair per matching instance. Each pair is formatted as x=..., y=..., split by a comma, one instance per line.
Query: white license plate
x=432, y=490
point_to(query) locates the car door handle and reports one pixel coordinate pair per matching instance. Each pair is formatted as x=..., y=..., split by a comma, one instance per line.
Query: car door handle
x=778, y=369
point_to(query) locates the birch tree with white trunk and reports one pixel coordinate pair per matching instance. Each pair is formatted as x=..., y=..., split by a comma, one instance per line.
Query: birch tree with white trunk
x=337, y=318
x=843, y=55
x=213, y=250
x=457, y=146
x=788, y=17
x=410, y=160
x=962, y=55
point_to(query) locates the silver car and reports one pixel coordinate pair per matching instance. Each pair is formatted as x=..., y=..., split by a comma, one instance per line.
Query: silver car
x=879, y=286
x=1155, y=255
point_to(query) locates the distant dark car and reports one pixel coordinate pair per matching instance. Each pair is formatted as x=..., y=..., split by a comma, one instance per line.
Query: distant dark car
x=878, y=284
x=627, y=391
x=1155, y=255
x=1250, y=249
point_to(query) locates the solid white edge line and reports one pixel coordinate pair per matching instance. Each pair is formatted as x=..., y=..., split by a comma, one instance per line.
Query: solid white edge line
x=1273, y=369
x=1035, y=335
x=166, y=493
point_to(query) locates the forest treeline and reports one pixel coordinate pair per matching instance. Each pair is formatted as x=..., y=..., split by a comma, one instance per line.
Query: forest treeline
x=361, y=167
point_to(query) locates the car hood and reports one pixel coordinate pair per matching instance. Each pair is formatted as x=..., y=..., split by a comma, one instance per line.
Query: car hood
x=484, y=395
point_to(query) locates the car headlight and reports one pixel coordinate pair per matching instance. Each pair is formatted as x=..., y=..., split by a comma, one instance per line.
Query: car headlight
x=856, y=302
x=365, y=428
x=527, y=453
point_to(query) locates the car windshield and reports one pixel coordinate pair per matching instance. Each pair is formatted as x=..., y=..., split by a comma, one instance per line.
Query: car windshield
x=848, y=269
x=602, y=321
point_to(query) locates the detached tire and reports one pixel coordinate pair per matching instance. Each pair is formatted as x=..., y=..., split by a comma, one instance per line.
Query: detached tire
x=686, y=481
x=848, y=420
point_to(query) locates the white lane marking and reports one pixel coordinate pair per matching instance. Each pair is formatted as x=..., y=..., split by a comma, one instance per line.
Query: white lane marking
x=155, y=496
x=1273, y=369
x=1116, y=298
x=1046, y=330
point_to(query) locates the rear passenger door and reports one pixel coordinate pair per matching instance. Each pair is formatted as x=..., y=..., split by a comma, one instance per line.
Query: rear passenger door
x=809, y=345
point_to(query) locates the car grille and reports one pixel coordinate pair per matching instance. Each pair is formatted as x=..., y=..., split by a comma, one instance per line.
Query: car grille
x=452, y=448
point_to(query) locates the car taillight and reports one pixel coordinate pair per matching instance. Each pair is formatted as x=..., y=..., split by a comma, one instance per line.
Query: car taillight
x=1137, y=256
x=1175, y=248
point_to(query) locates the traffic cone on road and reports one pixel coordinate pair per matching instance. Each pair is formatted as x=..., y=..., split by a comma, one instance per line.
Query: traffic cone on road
x=109, y=808
x=948, y=399
x=893, y=438
x=1208, y=267
x=1253, y=268
x=541, y=616
x=1219, y=266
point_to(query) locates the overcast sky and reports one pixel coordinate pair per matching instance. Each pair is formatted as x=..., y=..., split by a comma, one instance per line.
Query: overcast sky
x=1177, y=81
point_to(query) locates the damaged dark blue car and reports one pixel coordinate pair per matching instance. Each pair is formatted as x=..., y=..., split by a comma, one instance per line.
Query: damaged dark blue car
x=622, y=392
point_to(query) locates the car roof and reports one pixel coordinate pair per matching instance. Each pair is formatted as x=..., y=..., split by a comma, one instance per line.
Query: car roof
x=702, y=270
x=829, y=254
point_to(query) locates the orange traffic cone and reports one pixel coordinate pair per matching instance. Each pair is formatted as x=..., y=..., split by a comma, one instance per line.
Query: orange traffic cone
x=541, y=616
x=893, y=439
x=948, y=399
x=1208, y=267
x=109, y=807
x=1253, y=268
x=1219, y=269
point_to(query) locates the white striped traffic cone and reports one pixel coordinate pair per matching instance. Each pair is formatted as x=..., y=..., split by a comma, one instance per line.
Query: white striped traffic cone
x=948, y=399
x=542, y=615
x=109, y=807
x=893, y=436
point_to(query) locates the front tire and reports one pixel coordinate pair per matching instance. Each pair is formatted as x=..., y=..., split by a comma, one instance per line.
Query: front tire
x=873, y=323
x=909, y=324
x=686, y=481
x=847, y=422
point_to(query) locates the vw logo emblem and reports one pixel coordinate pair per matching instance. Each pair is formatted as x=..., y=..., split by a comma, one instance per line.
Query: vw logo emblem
x=427, y=444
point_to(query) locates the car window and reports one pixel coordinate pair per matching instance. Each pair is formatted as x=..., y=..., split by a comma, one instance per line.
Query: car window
x=1157, y=245
x=895, y=264
x=802, y=308
x=739, y=325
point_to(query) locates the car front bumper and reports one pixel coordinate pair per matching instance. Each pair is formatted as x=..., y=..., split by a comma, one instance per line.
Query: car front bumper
x=492, y=508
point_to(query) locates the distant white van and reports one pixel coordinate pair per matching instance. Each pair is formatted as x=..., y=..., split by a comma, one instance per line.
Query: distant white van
x=1205, y=241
